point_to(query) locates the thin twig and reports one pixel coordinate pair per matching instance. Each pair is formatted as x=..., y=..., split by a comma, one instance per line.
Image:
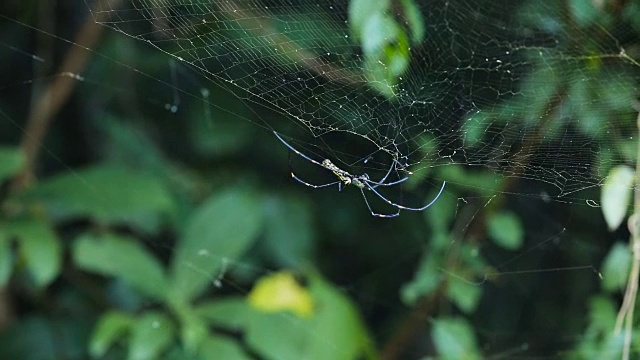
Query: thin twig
x=57, y=93
x=625, y=314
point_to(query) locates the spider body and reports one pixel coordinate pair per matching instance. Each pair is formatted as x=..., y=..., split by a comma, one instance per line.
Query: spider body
x=362, y=182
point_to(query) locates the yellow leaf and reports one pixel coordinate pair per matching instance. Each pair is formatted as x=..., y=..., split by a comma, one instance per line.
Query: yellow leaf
x=281, y=292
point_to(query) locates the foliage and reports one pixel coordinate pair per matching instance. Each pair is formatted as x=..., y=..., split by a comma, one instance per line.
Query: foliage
x=168, y=229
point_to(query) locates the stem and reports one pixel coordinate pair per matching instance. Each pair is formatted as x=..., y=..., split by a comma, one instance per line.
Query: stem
x=625, y=315
x=57, y=93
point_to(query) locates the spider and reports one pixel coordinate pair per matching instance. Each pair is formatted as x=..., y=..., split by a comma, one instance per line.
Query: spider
x=362, y=182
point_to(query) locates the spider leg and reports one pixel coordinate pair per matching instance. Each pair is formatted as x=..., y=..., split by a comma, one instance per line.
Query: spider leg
x=381, y=182
x=296, y=151
x=374, y=213
x=296, y=178
x=405, y=207
x=376, y=183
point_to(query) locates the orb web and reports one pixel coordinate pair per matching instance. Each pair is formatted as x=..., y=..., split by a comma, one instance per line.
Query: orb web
x=500, y=86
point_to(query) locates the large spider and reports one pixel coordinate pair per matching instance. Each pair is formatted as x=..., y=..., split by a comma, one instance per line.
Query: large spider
x=362, y=182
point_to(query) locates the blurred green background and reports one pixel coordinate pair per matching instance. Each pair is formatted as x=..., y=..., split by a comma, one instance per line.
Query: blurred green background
x=147, y=210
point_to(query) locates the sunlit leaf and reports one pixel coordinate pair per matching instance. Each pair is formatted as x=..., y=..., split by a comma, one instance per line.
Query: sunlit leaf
x=106, y=194
x=616, y=195
x=454, y=339
x=615, y=268
x=336, y=322
x=151, y=334
x=281, y=292
x=111, y=327
x=220, y=231
x=11, y=161
x=39, y=246
x=124, y=258
x=506, y=230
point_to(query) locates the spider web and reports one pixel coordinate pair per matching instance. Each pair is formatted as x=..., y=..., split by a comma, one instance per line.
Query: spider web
x=299, y=59
x=511, y=91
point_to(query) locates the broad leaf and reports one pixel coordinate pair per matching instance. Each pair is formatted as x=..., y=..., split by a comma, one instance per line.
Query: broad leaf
x=615, y=268
x=39, y=246
x=106, y=194
x=289, y=235
x=506, y=230
x=464, y=294
x=151, y=334
x=111, y=327
x=454, y=339
x=281, y=292
x=231, y=313
x=219, y=232
x=11, y=161
x=124, y=258
x=6, y=259
x=616, y=195
x=335, y=321
x=218, y=347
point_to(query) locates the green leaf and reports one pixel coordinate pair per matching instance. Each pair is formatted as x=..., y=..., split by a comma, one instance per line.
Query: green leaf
x=464, y=294
x=231, y=313
x=124, y=258
x=39, y=246
x=151, y=334
x=585, y=12
x=454, y=339
x=6, y=259
x=335, y=321
x=193, y=329
x=506, y=230
x=289, y=235
x=602, y=313
x=107, y=194
x=442, y=213
x=360, y=11
x=475, y=127
x=281, y=336
x=11, y=161
x=280, y=291
x=426, y=278
x=482, y=182
x=111, y=327
x=415, y=20
x=218, y=347
x=615, y=268
x=220, y=231
x=616, y=195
